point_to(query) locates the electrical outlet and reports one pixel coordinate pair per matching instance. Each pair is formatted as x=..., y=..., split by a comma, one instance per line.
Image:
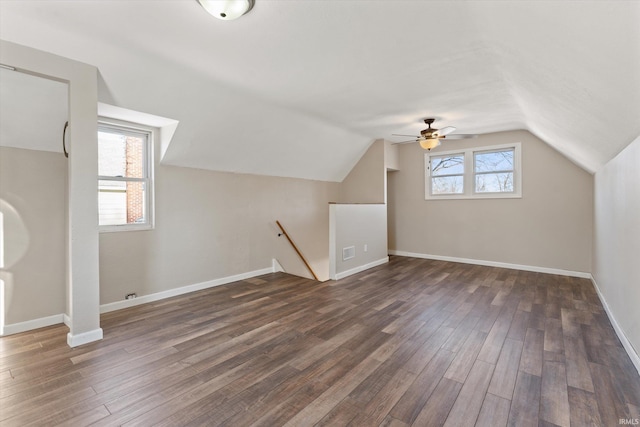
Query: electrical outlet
x=131, y=296
x=366, y=248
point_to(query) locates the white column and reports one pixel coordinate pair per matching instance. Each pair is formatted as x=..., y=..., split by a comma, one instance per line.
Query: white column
x=83, y=288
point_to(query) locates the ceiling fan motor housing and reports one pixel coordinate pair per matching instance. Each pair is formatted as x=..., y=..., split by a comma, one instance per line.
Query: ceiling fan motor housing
x=431, y=135
x=429, y=132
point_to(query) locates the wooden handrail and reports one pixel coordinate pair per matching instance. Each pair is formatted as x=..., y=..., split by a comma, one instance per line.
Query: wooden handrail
x=297, y=250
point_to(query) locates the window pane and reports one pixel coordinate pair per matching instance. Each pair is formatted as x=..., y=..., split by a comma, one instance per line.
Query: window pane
x=120, y=154
x=494, y=161
x=447, y=165
x=447, y=185
x=121, y=202
x=494, y=182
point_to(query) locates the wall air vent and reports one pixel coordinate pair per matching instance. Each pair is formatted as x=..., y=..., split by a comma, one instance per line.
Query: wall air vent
x=348, y=253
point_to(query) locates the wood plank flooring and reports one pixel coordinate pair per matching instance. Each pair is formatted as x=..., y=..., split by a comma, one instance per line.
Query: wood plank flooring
x=414, y=342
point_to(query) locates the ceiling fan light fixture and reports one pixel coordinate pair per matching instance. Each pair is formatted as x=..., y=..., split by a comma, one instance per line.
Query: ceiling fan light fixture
x=227, y=10
x=430, y=143
x=430, y=137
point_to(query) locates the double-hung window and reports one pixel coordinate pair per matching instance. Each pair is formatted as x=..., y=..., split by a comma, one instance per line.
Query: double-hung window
x=447, y=174
x=493, y=170
x=125, y=181
x=474, y=173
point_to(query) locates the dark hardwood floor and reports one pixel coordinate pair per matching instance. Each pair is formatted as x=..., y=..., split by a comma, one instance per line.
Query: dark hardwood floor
x=413, y=342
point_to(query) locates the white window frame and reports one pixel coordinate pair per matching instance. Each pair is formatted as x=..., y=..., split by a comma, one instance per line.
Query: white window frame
x=148, y=180
x=469, y=177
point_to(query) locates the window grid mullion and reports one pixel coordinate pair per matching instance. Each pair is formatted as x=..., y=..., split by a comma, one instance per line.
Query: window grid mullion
x=121, y=178
x=468, y=176
x=494, y=172
x=444, y=176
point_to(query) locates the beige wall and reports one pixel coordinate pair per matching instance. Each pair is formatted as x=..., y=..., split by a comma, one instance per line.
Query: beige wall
x=366, y=183
x=391, y=153
x=33, y=186
x=550, y=226
x=616, y=269
x=211, y=225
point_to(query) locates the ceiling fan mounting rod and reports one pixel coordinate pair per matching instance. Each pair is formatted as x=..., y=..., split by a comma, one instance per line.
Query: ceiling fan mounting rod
x=429, y=132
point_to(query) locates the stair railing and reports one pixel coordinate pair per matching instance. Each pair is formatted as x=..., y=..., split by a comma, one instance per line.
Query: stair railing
x=284, y=233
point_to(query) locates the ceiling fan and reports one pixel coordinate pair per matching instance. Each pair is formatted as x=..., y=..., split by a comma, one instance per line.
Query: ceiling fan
x=430, y=137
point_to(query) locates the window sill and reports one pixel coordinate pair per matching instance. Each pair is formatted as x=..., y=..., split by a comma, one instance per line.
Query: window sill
x=475, y=196
x=127, y=227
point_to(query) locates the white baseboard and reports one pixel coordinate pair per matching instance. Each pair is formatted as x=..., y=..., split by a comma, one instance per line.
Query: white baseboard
x=84, y=337
x=42, y=322
x=360, y=268
x=118, y=305
x=633, y=355
x=536, y=269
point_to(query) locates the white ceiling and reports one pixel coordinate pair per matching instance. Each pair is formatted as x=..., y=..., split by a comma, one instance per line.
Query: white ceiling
x=301, y=88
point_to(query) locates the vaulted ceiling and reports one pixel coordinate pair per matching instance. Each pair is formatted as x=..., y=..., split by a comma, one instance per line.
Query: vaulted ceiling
x=302, y=88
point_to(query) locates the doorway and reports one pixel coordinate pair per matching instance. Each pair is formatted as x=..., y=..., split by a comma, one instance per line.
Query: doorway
x=33, y=201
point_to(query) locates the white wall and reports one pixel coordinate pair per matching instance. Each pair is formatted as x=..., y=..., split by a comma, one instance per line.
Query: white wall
x=616, y=255
x=550, y=227
x=363, y=227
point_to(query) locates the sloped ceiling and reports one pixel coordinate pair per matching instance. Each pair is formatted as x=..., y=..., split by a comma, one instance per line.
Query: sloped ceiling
x=302, y=88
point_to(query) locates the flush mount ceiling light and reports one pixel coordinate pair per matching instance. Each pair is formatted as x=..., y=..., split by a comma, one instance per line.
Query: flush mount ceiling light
x=227, y=9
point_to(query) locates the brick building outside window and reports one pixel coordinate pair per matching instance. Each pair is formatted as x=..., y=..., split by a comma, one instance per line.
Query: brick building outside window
x=125, y=178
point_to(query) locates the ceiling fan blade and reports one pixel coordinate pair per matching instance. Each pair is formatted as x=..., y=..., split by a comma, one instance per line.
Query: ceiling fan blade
x=461, y=136
x=404, y=142
x=399, y=134
x=446, y=130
